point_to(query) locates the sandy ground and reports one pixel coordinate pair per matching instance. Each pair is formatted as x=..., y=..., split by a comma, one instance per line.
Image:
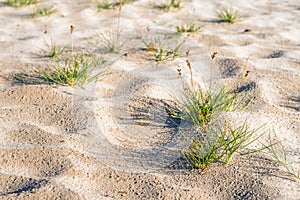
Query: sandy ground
x=113, y=139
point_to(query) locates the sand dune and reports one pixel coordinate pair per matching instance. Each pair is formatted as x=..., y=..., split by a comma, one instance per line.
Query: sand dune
x=114, y=139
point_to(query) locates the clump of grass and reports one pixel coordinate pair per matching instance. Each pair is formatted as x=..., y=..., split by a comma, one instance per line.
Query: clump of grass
x=187, y=28
x=43, y=11
x=159, y=46
x=111, y=4
x=214, y=141
x=199, y=107
x=19, y=3
x=278, y=153
x=169, y=5
x=152, y=43
x=111, y=41
x=77, y=71
x=219, y=144
x=227, y=15
x=164, y=54
x=52, y=49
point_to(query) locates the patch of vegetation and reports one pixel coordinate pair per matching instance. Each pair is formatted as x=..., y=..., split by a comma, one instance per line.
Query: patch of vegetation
x=214, y=141
x=43, y=11
x=199, y=107
x=227, y=15
x=215, y=144
x=188, y=28
x=278, y=153
x=163, y=54
x=52, y=49
x=160, y=46
x=168, y=5
x=111, y=4
x=19, y=3
x=77, y=71
x=111, y=41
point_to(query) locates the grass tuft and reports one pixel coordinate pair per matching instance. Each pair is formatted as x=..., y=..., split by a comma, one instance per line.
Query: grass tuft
x=213, y=140
x=168, y=5
x=219, y=144
x=43, y=11
x=52, y=49
x=19, y=3
x=111, y=41
x=111, y=4
x=187, y=28
x=199, y=107
x=278, y=153
x=227, y=15
x=77, y=71
x=161, y=47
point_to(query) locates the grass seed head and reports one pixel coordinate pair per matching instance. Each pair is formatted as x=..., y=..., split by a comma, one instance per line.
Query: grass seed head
x=72, y=28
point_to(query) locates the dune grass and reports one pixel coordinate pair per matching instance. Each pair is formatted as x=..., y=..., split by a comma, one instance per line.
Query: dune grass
x=105, y=4
x=278, y=153
x=19, y=3
x=227, y=15
x=76, y=71
x=188, y=28
x=43, y=11
x=167, y=5
x=52, y=50
x=214, y=140
x=111, y=41
x=219, y=144
x=199, y=107
x=162, y=47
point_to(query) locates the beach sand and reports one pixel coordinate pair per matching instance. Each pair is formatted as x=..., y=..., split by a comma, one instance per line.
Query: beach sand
x=113, y=139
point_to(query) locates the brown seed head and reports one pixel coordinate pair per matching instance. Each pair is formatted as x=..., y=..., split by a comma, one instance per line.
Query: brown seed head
x=214, y=55
x=188, y=63
x=72, y=28
x=247, y=73
x=206, y=100
x=187, y=52
x=179, y=71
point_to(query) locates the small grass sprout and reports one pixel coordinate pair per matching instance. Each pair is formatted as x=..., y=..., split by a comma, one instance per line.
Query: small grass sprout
x=52, y=49
x=38, y=11
x=19, y=3
x=77, y=71
x=227, y=15
x=219, y=144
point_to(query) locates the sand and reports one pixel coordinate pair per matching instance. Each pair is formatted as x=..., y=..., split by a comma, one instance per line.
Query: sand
x=114, y=139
